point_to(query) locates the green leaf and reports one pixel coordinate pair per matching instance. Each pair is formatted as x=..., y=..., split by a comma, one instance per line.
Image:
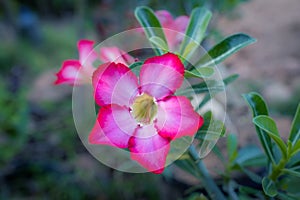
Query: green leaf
x=295, y=129
x=224, y=49
x=151, y=25
x=195, y=31
x=213, y=92
x=212, y=129
x=186, y=163
x=232, y=145
x=269, y=187
x=158, y=42
x=291, y=172
x=296, y=148
x=135, y=64
x=267, y=124
x=251, y=156
x=203, y=72
x=259, y=107
x=135, y=67
x=211, y=86
x=253, y=176
x=230, y=79
x=217, y=151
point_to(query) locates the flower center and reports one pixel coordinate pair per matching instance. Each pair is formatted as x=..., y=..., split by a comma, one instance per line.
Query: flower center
x=144, y=109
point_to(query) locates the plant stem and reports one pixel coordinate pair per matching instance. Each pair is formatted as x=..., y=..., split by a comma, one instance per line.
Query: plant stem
x=276, y=171
x=208, y=183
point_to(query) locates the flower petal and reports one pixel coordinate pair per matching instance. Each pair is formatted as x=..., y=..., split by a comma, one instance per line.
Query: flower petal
x=180, y=23
x=68, y=73
x=117, y=124
x=176, y=118
x=151, y=152
x=165, y=18
x=87, y=55
x=160, y=76
x=97, y=136
x=114, y=54
x=114, y=84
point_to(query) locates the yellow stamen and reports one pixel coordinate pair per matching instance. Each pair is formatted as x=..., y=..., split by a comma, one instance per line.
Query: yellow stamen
x=144, y=109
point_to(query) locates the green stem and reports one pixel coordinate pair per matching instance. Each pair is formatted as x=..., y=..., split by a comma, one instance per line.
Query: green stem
x=277, y=170
x=208, y=183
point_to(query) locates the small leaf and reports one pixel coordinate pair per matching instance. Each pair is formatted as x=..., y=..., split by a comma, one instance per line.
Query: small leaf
x=251, y=156
x=151, y=25
x=203, y=72
x=296, y=148
x=158, y=42
x=135, y=64
x=224, y=49
x=196, y=29
x=135, y=67
x=232, y=145
x=259, y=107
x=291, y=172
x=268, y=125
x=212, y=93
x=187, y=164
x=269, y=187
x=295, y=129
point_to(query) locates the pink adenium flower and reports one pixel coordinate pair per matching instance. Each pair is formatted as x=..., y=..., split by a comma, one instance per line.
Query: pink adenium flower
x=114, y=54
x=69, y=72
x=179, y=25
x=142, y=114
x=81, y=71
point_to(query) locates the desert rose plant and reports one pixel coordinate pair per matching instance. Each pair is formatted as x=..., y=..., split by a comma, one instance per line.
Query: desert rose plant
x=142, y=107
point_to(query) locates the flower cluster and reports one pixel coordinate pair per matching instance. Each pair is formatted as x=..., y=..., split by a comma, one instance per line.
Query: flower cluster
x=138, y=113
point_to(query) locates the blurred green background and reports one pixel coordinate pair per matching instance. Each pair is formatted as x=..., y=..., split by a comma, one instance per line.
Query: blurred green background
x=41, y=155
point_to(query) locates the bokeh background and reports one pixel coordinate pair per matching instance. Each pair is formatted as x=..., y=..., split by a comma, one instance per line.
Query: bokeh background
x=41, y=155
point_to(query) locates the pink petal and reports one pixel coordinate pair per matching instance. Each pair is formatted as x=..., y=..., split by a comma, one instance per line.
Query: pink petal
x=114, y=84
x=117, y=124
x=151, y=152
x=165, y=18
x=68, y=72
x=180, y=24
x=87, y=55
x=176, y=118
x=98, y=137
x=160, y=76
x=114, y=54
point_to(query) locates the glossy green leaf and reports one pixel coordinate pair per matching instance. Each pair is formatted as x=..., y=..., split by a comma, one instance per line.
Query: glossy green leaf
x=135, y=67
x=217, y=151
x=203, y=72
x=267, y=124
x=186, y=163
x=135, y=64
x=259, y=107
x=158, y=42
x=211, y=86
x=296, y=148
x=212, y=129
x=212, y=93
x=291, y=172
x=195, y=31
x=151, y=25
x=295, y=129
x=224, y=49
x=269, y=187
x=232, y=144
x=251, y=156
